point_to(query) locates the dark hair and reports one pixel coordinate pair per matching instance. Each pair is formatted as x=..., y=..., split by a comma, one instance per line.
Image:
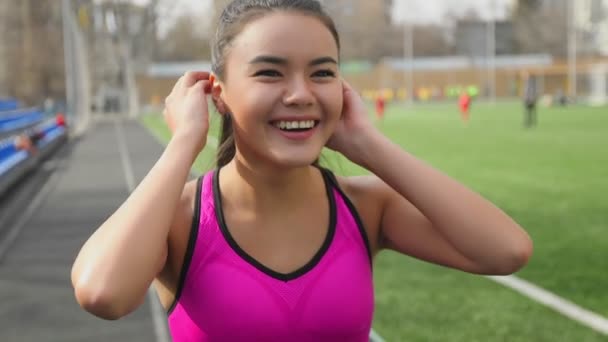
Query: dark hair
x=231, y=22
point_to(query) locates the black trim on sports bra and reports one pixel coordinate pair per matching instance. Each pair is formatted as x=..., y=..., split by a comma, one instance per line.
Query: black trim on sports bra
x=353, y=211
x=217, y=196
x=191, y=244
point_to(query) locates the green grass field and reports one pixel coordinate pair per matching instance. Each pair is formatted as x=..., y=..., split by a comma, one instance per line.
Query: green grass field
x=550, y=179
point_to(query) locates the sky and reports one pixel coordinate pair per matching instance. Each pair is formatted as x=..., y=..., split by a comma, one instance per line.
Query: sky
x=419, y=11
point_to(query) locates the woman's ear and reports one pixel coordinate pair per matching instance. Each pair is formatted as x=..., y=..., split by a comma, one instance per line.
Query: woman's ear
x=216, y=94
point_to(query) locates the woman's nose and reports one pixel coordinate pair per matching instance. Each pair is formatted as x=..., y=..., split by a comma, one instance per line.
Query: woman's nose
x=298, y=93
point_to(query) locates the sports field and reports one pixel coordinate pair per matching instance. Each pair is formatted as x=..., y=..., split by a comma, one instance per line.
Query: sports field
x=551, y=179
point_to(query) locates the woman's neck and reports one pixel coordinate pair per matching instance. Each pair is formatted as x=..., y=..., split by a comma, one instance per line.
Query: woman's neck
x=268, y=187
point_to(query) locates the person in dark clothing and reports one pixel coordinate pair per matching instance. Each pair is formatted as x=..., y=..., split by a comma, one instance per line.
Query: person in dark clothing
x=530, y=98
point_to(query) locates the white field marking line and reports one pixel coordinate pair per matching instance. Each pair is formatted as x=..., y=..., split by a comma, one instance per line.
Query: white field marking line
x=374, y=337
x=553, y=301
x=27, y=215
x=213, y=143
x=158, y=315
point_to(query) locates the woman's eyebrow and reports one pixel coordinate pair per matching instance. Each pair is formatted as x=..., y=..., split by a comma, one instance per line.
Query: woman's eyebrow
x=283, y=61
x=269, y=60
x=323, y=60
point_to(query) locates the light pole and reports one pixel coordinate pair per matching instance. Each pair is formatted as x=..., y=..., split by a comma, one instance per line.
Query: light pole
x=572, y=77
x=68, y=56
x=491, y=53
x=78, y=101
x=408, y=47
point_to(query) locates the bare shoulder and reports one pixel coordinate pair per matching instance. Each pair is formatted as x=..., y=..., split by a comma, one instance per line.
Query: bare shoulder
x=368, y=195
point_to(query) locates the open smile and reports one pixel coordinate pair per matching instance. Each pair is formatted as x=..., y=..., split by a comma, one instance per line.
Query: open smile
x=296, y=129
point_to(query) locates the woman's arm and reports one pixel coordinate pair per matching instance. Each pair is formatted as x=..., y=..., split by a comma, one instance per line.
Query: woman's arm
x=117, y=264
x=428, y=215
x=424, y=212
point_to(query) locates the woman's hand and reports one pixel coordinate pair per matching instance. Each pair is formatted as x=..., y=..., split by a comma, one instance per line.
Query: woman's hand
x=354, y=130
x=186, y=111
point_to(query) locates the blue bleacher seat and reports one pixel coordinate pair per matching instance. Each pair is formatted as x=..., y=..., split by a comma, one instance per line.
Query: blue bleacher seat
x=9, y=104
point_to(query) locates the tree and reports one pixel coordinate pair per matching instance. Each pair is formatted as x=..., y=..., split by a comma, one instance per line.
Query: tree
x=541, y=27
x=32, y=41
x=431, y=41
x=184, y=42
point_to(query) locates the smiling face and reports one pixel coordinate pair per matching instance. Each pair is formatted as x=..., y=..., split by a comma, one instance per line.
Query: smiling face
x=282, y=88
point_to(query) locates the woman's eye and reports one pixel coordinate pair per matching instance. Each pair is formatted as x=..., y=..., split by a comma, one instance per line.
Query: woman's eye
x=268, y=73
x=324, y=73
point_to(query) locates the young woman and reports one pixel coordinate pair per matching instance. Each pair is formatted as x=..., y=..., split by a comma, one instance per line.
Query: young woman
x=269, y=246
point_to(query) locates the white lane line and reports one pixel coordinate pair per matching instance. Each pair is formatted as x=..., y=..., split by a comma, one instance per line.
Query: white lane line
x=158, y=314
x=27, y=215
x=555, y=302
x=124, y=157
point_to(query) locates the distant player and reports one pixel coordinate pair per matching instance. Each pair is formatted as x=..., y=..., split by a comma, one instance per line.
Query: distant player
x=464, y=103
x=380, y=106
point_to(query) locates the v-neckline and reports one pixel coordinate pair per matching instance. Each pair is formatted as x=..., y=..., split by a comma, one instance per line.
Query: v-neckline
x=219, y=213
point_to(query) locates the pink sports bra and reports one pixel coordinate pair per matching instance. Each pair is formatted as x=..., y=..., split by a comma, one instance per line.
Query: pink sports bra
x=226, y=295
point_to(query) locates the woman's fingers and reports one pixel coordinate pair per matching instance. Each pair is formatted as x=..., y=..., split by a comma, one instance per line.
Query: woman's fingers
x=192, y=77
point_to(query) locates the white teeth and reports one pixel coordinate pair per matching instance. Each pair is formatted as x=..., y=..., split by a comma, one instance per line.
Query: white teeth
x=289, y=125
